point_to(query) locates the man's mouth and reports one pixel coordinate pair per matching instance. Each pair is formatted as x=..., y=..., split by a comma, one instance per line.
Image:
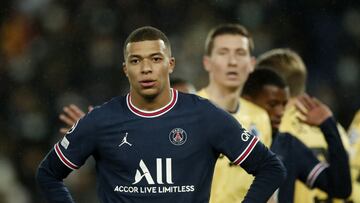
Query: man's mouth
x=276, y=123
x=232, y=74
x=147, y=83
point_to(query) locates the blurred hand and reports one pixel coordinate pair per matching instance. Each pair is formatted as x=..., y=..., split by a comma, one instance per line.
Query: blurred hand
x=274, y=197
x=313, y=111
x=70, y=115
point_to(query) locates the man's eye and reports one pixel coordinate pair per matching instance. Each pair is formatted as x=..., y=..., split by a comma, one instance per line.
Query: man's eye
x=134, y=61
x=157, y=59
x=241, y=53
x=222, y=52
x=272, y=104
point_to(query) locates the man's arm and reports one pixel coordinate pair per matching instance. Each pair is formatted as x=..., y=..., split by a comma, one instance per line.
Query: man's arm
x=227, y=137
x=269, y=173
x=50, y=175
x=334, y=179
x=67, y=155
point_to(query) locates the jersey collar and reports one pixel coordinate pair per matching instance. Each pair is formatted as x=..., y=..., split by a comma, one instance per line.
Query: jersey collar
x=154, y=113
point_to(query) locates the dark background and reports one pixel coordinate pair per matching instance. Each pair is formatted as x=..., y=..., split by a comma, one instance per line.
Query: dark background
x=56, y=52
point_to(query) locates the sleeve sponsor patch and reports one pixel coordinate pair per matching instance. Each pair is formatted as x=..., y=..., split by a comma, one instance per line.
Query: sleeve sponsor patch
x=65, y=142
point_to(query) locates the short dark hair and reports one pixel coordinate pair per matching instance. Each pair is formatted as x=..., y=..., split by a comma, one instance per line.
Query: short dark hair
x=223, y=29
x=261, y=77
x=147, y=33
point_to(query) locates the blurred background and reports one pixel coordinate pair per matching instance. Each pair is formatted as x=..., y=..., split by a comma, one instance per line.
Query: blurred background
x=57, y=52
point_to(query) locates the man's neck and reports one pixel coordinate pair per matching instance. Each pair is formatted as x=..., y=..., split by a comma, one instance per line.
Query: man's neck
x=291, y=101
x=151, y=103
x=226, y=98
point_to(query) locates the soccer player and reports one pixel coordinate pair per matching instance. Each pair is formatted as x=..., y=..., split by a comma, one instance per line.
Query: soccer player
x=267, y=89
x=289, y=65
x=354, y=134
x=156, y=144
x=228, y=60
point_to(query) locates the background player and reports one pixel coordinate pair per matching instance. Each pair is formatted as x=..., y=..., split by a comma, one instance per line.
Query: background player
x=268, y=90
x=228, y=60
x=163, y=131
x=290, y=66
x=354, y=134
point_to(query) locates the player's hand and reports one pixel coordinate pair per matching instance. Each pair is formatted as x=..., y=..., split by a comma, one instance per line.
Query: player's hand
x=70, y=115
x=273, y=198
x=313, y=111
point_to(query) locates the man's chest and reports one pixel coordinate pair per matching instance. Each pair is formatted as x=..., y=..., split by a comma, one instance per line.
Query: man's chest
x=154, y=141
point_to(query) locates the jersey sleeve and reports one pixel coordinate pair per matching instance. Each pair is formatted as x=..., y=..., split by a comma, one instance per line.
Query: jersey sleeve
x=307, y=165
x=78, y=143
x=229, y=138
x=245, y=149
x=68, y=154
x=336, y=179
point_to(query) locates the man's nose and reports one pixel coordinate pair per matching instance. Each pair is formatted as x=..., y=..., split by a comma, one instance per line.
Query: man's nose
x=146, y=66
x=232, y=60
x=280, y=111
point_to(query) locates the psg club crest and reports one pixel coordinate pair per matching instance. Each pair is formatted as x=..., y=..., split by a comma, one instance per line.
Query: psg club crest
x=177, y=136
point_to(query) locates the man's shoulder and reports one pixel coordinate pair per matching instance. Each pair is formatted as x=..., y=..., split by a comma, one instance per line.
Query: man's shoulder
x=196, y=101
x=354, y=129
x=287, y=138
x=250, y=112
x=311, y=136
x=202, y=93
x=113, y=106
x=251, y=108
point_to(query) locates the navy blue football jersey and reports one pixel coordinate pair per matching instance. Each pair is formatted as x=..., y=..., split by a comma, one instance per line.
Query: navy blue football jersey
x=300, y=163
x=167, y=155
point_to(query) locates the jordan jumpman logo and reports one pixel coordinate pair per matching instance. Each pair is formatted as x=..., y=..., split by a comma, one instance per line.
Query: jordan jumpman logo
x=124, y=141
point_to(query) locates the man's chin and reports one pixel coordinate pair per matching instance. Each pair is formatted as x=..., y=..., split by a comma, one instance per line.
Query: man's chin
x=232, y=84
x=275, y=129
x=149, y=93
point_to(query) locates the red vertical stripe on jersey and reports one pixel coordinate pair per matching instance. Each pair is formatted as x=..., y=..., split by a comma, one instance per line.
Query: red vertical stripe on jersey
x=247, y=151
x=63, y=158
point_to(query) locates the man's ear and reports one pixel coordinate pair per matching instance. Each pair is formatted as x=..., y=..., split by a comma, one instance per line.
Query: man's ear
x=206, y=63
x=125, y=69
x=253, y=63
x=171, y=65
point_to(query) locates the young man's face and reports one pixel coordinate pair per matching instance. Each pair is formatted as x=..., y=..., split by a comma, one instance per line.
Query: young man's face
x=273, y=99
x=230, y=62
x=147, y=66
